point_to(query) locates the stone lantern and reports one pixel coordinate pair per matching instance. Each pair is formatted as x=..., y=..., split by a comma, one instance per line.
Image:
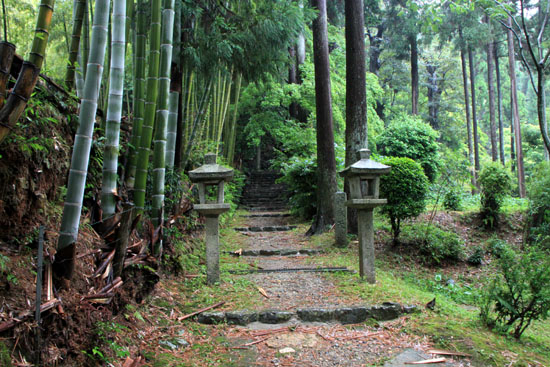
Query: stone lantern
x=211, y=174
x=364, y=186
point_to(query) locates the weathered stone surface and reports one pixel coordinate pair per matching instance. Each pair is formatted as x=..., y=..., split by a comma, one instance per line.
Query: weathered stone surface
x=351, y=315
x=386, y=311
x=315, y=314
x=269, y=252
x=274, y=316
x=211, y=318
x=411, y=309
x=340, y=219
x=242, y=318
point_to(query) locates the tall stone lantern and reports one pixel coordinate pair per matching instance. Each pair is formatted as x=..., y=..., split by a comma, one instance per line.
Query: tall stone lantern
x=211, y=174
x=364, y=186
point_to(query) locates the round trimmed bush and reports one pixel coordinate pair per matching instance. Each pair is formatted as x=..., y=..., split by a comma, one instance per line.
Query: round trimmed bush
x=495, y=184
x=539, y=206
x=405, y=187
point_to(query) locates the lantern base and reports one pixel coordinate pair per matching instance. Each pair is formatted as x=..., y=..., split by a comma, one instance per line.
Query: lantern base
x=211, y=209
x=365, y=203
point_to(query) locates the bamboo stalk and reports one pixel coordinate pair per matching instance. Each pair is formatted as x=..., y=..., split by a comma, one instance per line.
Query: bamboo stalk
x=79, y=9
x=172, y=130
x=114, y=111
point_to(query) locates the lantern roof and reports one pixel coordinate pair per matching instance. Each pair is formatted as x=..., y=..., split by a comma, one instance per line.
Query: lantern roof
x=365, y=165
x=211, y=171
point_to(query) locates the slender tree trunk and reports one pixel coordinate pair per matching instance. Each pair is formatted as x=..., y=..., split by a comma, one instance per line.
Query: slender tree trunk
x=66, y=245
x=144, y=149
x=432, y=95
x=499, y=108
x=474, y=116
x=468, y=122
x=515, y=112
x=356, y=97
x=414, y=74
x=512, y=135
x=85, y=47
x=172, y=130
x=7, y=52
x=79, y=10
x=491, y=89
x=326, y=163
x=28, y=76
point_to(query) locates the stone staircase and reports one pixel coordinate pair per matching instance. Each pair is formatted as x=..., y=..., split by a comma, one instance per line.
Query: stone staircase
x=262, y=193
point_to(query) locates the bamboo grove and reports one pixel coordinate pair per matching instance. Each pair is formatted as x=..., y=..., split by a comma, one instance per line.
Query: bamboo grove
x=172, y=77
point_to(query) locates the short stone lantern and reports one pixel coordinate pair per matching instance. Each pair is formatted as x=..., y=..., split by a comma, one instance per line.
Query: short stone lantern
x=211, y=174
x=364, y=186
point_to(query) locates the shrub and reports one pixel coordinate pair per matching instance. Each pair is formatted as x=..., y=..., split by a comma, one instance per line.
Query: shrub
x=409, y=137
x=495, y=185
x=451, y=201
x=476, y=257
x=539, y=206
x=405, y=187
x=300, y=176
x=519, y=294
x=496, y=246
x=435, y=244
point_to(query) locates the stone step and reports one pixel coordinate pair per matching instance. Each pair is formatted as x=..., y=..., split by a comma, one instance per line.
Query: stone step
x=265, y=229
x=294, y=270
x=267, y=215
x=343, y=315
x=264, y=208
x=281, y=252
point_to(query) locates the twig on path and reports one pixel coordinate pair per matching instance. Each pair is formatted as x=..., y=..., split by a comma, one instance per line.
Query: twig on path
x=244, y=346
x=200, y=311
x=429, y=361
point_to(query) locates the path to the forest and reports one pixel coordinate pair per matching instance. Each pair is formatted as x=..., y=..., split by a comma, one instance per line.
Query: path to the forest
x=295, y=293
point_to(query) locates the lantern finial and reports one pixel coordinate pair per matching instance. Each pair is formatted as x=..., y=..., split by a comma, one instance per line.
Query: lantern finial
x=364, y=153
x=209, y=158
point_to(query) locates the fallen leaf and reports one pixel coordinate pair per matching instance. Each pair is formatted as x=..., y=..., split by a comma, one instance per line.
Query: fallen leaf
x=428, y=361
x=263, y=292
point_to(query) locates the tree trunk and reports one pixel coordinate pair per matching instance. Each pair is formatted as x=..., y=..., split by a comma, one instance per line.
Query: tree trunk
x=66, y=244
x=114, y=109
x=7, y=52
x=414, y=74
x=79, y=9
x=491, y=89
x=474, y=116
x=468, y=122
x=356, y=98
x=326, y=163
x=433, y=93
x=515, y=112
x=499, y=108
x=28, y=76
x=172, y=129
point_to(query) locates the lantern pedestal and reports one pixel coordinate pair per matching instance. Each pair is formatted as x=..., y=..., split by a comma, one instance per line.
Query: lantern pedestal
x=214, y=175
x=364, y=182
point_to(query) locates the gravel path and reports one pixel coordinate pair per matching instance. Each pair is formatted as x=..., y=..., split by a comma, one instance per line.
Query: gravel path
x=314, y=344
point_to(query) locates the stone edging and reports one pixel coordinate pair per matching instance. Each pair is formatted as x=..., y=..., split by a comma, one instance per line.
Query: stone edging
x=282, y=252
x=344, y=315
x=265, y=229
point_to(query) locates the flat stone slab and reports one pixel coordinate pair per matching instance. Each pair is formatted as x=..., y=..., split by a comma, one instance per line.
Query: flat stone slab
x=281, y=252
x=267, y=215
x=265, y=229
x=410, y=355
x=292, y=270
x=342, y=315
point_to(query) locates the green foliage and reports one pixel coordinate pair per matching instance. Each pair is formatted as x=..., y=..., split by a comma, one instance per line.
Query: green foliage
x=519, y=294
x=405, y=187
x=495, y=185
x=451, y=200
x=476, y=257
x=5, y=358
x=434, y=244
x=448, y=287
x=539, y=206
x=408, y=136
x=300, y=176
x=106, y=333
x=496, y=246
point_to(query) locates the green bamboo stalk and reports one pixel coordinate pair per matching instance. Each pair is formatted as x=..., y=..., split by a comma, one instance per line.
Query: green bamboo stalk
x=70, y=221
x=85, y=48
x=159, y=153
x=139, y=104
x=114, y=111
x=28, y=76
x=79, y=72
x=233, y=136
x=144, y=149
x=226, y=99
x=172, y=130
x=189, y=107
x=79, y=9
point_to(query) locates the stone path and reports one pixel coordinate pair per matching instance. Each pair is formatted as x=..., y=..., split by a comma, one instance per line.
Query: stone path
x=304, y=322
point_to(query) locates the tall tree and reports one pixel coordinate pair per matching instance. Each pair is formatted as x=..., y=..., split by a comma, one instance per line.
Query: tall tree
x=28, y=76
x=326, y=163
x=78, y=16
x=68, y=233
x=356, y=95
x=491, y=89
x=474, y=112
x=499, y=108
x=515, y=110
x=467, y=108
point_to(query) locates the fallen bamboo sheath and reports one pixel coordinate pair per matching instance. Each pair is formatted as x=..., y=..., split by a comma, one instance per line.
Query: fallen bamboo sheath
x=448, y=353
x=200, y=311
x=244, y=346
x=27, y=314
x=104, y=264
x=117, y=282
x=98, y=295
x=429, y=361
